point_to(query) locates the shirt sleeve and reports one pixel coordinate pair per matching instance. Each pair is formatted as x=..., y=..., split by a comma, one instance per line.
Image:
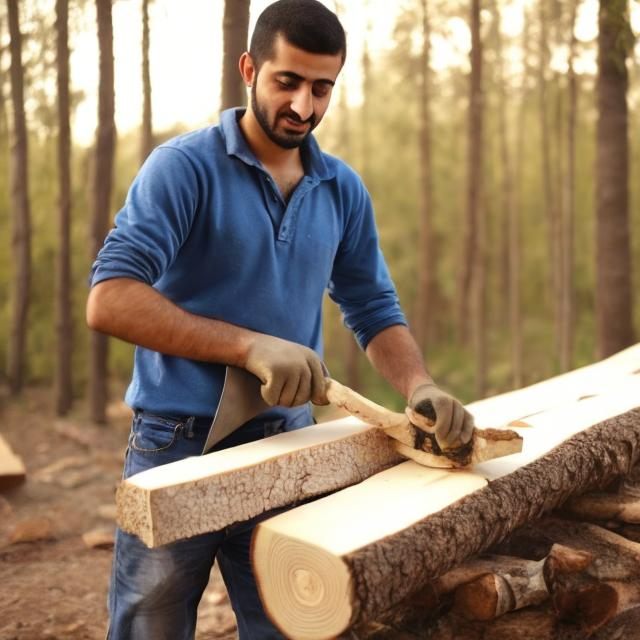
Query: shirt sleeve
x=154, y=222
x=360, y=282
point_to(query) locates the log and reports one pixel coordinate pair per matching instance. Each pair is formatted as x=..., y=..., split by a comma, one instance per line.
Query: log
x=606, y=587
x=595, y=379
x=508, y=584
x=207, y=493
x=371, y=569
x=416, y=435
x=605, y=506
x=12, y=470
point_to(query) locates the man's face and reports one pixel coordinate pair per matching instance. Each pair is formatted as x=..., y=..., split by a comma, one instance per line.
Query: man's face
x=291, y=92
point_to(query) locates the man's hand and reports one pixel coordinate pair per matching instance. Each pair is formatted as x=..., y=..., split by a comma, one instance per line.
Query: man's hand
x=453, y=423
x=291, y=374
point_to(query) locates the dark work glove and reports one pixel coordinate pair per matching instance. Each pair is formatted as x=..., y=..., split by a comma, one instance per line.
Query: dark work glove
x=453, y=423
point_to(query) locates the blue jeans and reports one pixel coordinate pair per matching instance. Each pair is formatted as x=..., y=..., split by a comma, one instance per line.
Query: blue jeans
x=154, y=593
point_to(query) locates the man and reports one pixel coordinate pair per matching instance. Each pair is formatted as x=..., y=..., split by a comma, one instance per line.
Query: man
x=220, y=256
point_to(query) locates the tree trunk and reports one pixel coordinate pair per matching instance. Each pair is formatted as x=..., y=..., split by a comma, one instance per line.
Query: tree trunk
x=63, y=389
x=102, y=183
x=21, y=214
x=568, y=210
x=547, y=181
x=235, y=30
x=146, y=139
x=476, y=201
x=515, y=312
x=469, y=252
x=613, y=253
x=426, y=249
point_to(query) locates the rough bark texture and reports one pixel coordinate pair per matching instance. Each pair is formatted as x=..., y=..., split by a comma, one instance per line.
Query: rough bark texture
x=235, y=28
x=386, y=572
x=21, y=213
x=102, y=182
x=606, y=506
x=146, y=137
x=608, y=586
x=166, y=514
x=63, y=384
x=614, y=324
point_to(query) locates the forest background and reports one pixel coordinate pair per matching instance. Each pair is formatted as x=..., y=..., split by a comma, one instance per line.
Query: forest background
x=498, y=139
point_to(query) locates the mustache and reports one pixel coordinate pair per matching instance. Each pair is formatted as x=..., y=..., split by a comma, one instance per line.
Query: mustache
x=296, y=118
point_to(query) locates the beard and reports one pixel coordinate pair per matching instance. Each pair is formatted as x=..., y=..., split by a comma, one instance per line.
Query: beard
x=285, y=138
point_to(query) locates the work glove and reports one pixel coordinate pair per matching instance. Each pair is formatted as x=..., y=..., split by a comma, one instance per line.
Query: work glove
x=291, y=374
x=453, y=423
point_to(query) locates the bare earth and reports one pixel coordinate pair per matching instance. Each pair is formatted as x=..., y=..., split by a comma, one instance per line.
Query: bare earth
x=55, y=586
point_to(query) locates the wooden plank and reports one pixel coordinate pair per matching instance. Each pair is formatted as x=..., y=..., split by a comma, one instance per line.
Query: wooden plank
x=374, y=550
x=210, y=492
x=12, y=470
x=592, y=380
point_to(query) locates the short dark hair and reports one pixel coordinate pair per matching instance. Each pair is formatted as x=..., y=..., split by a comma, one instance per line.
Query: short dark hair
x=305, y=24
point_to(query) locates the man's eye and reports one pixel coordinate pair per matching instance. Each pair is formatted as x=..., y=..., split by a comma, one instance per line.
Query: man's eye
x=285, y=85
x=321, y=91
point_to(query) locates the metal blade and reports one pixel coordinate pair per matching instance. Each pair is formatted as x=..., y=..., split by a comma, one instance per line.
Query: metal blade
x=240, y=401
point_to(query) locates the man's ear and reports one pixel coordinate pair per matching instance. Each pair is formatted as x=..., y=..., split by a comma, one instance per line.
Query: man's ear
x=247, y=69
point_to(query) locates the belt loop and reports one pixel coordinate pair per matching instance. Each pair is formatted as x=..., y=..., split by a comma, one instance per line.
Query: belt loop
x=188, y=427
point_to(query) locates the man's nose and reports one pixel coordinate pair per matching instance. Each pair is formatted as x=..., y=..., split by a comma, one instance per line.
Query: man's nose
x=302, y=103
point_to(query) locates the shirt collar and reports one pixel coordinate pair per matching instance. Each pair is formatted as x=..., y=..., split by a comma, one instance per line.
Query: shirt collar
x=236, y=144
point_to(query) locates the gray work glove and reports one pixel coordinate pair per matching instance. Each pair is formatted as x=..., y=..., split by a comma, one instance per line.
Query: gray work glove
x=453, y=423
x=291, y=374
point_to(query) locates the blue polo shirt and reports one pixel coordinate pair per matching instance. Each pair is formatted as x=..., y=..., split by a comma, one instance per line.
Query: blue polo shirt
x=205, y=224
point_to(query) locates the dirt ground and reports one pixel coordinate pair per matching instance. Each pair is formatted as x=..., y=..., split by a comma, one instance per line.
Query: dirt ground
x=55, y=586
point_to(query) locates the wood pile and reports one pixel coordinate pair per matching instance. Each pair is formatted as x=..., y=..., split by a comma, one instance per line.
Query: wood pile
x=394, y=553
x=361, y=553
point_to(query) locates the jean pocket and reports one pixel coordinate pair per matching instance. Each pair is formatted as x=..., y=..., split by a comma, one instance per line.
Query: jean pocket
x=153, y=434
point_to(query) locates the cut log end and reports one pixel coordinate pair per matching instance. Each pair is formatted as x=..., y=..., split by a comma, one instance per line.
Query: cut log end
x=133, y=513
x=310, y=590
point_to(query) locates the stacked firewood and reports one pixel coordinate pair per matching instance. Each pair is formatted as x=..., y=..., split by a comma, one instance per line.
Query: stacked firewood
x=574, y=574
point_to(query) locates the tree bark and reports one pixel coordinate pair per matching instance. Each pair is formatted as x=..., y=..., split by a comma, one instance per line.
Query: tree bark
x=614, y=324
x=547, y=181
x=515, y=241
x=469, y=255
x=567, y=296
x=235, y=29
x=208, y=493
x=373, y=577
x=64, y=327
x=21, y=213
x=146, y=138
x=426, y=248
x=102, y=184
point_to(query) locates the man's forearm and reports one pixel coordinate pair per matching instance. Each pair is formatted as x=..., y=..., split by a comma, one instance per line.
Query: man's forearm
x=395, y=354
x=137, y=313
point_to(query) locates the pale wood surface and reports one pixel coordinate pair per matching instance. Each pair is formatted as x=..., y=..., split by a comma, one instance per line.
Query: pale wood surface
x=416, y=434
x=12, y=469
x=207, y=493
x=595, y=379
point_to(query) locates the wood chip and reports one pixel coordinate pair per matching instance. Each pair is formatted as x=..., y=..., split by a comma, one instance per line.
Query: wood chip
x=31, y=530
x=99, y=538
